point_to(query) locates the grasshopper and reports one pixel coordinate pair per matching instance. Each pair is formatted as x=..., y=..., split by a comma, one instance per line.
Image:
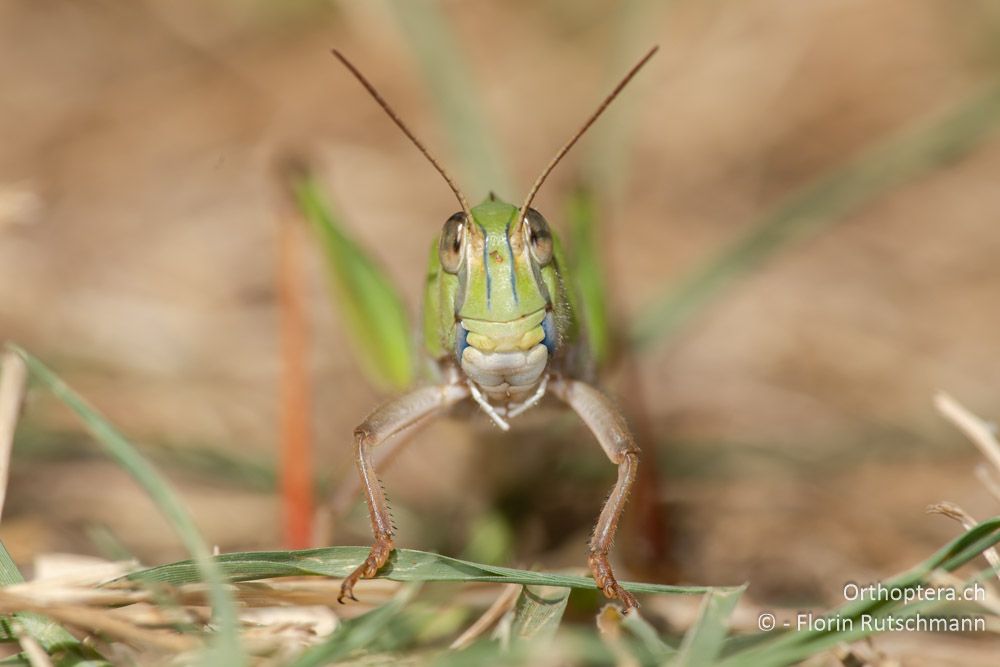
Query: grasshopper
x=501, y=322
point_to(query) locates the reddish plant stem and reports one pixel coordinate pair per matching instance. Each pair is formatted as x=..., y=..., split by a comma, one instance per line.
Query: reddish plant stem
x=295, y=392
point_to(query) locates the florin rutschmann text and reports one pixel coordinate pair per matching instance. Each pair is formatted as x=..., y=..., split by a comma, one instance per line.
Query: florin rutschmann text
x=806, y=620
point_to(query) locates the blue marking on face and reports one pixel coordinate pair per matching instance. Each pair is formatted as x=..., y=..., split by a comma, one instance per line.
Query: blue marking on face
x=513, y=269
x=549, y=328
x=461, y=340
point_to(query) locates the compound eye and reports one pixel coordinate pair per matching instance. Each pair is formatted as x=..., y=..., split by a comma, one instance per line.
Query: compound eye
x=539, y=237
x=451, y=248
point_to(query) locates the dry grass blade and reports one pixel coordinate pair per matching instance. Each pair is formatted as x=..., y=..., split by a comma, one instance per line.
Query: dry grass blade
x=976, y=429
x=99, y=620
x=953, y=511
x=13, y=381
x=500, y=606
x=987, y=479
x=990, y=600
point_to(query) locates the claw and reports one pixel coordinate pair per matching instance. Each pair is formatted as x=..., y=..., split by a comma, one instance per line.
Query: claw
x=605, y=579
x=348, y=594
x=368, y=569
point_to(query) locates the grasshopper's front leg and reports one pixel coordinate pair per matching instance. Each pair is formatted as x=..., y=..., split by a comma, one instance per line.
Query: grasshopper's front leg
x=387, y=420
x=607, y=424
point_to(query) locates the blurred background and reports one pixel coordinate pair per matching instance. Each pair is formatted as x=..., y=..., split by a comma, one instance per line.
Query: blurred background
x=798, y=215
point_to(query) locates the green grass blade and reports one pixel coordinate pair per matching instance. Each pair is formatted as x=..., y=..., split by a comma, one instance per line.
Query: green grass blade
x=403, y=565
x=634, y=29
x=658, y=650
x=375, y=317
x=436, y=47
x=825, y=201
x=703, y=642
x=356, y=633
x=538, y=612
x=63, y=647
x=587, y=274
x=226, y=648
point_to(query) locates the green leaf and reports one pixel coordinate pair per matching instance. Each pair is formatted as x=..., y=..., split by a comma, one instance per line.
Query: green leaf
x=703, y=642
x=825, y=201
x=403, y=565
x=587, y=274
x=226, y=648
x=373, y=311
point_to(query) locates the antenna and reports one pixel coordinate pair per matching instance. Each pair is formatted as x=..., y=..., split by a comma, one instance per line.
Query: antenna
x=583, y=129
x=399, y=123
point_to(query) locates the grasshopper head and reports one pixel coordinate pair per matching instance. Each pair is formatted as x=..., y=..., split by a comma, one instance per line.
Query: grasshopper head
x=498, y=264
x=506, y=274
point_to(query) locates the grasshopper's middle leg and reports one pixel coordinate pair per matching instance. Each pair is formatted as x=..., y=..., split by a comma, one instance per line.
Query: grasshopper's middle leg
x=387, y=420
x=608, y=426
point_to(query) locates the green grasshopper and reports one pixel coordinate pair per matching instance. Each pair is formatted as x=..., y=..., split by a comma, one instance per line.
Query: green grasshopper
x=501, y=321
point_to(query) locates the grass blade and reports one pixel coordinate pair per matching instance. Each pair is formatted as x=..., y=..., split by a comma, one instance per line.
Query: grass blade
x=375, y=317
x=634, y=28
x=436, y=47
x=538, y=612
x=403, y=565
x=13, y=383
x=658, y=650
x=588, y=275
x=703, y=642
x=825, y=201
x=227, y=649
